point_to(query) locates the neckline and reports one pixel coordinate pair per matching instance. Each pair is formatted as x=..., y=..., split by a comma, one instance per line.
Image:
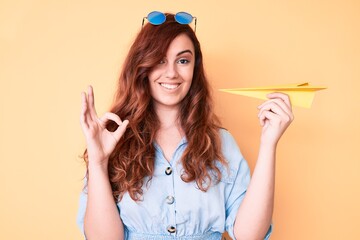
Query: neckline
x=158, y=148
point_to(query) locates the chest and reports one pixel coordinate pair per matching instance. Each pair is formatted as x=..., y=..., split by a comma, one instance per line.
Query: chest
x=168, y=140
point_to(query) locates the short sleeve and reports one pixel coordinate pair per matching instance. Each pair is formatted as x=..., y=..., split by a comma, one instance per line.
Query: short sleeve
x=81, y=210
x=237, y=190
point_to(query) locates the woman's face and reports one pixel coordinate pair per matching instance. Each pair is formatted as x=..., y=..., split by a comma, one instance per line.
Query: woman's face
x=171, y=79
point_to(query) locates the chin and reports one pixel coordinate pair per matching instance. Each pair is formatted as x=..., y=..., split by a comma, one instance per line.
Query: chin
x=167, y=104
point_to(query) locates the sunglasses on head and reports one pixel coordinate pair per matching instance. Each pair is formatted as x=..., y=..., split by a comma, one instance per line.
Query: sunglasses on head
x=157, y=18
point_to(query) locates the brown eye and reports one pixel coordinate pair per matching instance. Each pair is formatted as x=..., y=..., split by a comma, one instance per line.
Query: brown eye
x=183, y=61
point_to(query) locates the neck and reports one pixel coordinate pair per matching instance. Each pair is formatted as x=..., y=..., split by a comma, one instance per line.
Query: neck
x=168, y=117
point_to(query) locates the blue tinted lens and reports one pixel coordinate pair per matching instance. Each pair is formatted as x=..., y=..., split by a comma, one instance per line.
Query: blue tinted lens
x=183, y=18
x=156, y=18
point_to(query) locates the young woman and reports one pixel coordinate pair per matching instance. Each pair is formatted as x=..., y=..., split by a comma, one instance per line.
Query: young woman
x=159, y=166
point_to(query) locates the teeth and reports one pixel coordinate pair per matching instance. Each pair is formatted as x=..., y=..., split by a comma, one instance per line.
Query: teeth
x=169, y=86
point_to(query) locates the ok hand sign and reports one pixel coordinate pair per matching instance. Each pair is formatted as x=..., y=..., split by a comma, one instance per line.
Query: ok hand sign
x=100, y=141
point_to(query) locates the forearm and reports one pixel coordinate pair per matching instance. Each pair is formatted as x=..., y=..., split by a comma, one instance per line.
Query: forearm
x=102, y=220
x=255, y=213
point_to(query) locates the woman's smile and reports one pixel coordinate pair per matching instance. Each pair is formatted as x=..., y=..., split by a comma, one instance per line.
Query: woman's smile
x=170, y=86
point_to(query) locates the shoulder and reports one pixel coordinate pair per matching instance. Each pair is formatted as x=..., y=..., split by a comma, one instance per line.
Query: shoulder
x=229, y=146
x=225, y=136
x=232, y=154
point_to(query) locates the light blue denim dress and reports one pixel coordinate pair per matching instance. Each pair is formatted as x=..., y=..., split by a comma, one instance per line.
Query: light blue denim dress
x=173, y=209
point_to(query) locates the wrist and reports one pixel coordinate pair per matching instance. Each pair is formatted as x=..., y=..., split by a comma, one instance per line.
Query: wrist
x=268, y=143
x=269, y=146
x=98, y=166
x=267, y=153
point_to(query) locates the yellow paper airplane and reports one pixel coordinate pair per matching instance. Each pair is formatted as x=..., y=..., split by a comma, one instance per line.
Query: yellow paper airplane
x=301, y=95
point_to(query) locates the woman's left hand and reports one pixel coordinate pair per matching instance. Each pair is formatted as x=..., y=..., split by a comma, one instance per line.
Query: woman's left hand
x=275, y=115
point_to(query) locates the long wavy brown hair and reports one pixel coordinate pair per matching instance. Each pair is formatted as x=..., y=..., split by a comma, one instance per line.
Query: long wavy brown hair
x=133, y=158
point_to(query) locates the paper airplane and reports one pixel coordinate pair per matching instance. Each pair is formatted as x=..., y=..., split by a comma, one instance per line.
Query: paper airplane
x=301, y=94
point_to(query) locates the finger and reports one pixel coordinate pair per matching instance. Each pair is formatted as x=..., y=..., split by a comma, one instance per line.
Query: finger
x=282, y=96
x=83, y=119
x=91, y=102
x=261, y=119
x=110, y=116
x=277, y=106
x=121, y=130
x=278, y=111
x=287, y=106
x=278, y=100
x=266, y=116
x=272, y=107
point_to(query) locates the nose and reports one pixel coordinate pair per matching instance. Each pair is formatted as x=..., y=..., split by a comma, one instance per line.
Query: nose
x=171, y=71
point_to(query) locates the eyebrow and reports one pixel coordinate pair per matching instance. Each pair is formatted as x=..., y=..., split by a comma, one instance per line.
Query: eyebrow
x=185, y=51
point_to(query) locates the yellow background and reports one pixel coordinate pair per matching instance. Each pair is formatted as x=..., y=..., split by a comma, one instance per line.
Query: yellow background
x=51, y=50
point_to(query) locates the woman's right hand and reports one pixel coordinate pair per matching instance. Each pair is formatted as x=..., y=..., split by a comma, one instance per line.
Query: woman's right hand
x=100, y=142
